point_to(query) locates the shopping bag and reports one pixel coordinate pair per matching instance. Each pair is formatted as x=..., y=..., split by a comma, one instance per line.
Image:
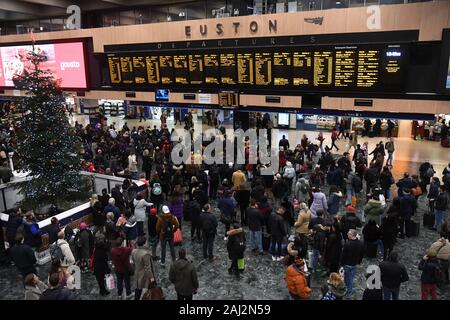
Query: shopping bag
x=110, y=282
x=154, y=292
x=178, y=237
x=241, y=264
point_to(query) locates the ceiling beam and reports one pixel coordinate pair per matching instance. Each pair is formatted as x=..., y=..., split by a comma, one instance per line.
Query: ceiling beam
x=30, y=9
x=51, y=3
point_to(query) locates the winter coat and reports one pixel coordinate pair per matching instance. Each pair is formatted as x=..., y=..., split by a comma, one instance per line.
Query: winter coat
x=373, y=210
x=236, y=244
x=113, y=209
x=372, y=175
x=333, y=248
x=407, y=206
x=371, y=233
x=257, y=193
x=302, y=223
x=296, y=282
x=289, y=172
x=184, y=276
x=143, y=263
x=332, y=292
x=32, y=234
x=176, y=208
x=14, y=221
x=111, y=231
x=53, y=231
x=139, y=209
x=85, y=242
x=442, y=249
x=58, y=294
x=350, y=221
x=69, y=258
x=393, y=274
x=227, y=206
x=386, y=179
x=333, y=203
x=130, y=229
x=389, y=230
x=254, y=219
x=120, y=257
x=277, y=226
x=430, y=269
x=441, y=202
x=319, y=202
x=302, y=184
x=279, y=189
x=208, y=223
x=151, y=224
x=352, y=253
x=23, y=257
x=242, y=198
x=101, y=266
x=166, y=217
x=238, y=179
x=35, y=292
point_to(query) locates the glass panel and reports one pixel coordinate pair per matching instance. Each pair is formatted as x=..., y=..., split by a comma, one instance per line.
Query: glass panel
x=127, y=18
x=143, y=16
x=308, y=5
x=215, y=8
x=356, y=3
x=335, y=4
x=196, y=10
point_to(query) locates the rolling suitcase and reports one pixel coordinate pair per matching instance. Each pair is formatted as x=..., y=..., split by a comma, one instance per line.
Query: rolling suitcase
x=412, y=229
x=428, y=220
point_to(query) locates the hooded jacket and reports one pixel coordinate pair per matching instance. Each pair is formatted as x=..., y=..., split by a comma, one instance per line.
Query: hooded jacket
x=302, y=184
x=69, y=258
x=373, y=210
x=183, y=275
x=393, y=274
x=296, y=282
x=303, y=220
x=130, y=228
x=236, y=244
x=289, y=171
x=319, y=202
x=334, y=292
x=162, y=221
x=139, y=209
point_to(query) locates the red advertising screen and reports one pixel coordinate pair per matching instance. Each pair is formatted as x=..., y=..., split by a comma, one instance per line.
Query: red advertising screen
x=64, y=60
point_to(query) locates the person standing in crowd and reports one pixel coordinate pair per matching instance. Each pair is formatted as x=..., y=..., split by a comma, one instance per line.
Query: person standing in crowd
x=407, y=207
x=296, y=281
x=279, y=189
x=334, y=200
x=393, y=274
x=242, y=197
x=319, y=229
x=68, y=259
x=153, y=235
x=303, y=220
x=166, y=226
x=176, y=204
x=433, y=193
x=284, y=143
x=23, y=257
x=55, y=291
x=144, y=274
x=254, y=220
x=319, y=201
x=390, y=127
x=373, y=209
x=333, y=247
x=34, y=287
x=388, y=232
x=120, y=257
x=334, y=289
x=208, y=224
x=235, y=248
x=426, y=172
x=53, y=230
x=227, y=209
x=184, y=277
x=111, y=207
x=101, y=266
x=442, y=248
x=277, y=233
x=132, y=165
x=13, y=224
x=386, y=181
x=321, y=139
x=352, y=255
x=390, y=148
x=429, y=265
x=302, y=190
x=140, y=206
x=334, y=137
x=440, y=207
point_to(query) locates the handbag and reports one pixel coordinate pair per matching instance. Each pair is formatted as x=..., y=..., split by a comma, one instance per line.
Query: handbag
x=241, y=264
x=178, y=237
x=110, y=282
x=154, y=292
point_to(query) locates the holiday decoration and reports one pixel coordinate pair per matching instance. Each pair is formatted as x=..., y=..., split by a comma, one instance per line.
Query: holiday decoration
x=45, y=143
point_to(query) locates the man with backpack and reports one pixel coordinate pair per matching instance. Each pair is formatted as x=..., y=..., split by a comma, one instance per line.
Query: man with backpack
x=166, y=226
x=208, y=224
x=426, y=172
x=431, y=275
x=156, y=194
x=60, y=251
x=353, y=186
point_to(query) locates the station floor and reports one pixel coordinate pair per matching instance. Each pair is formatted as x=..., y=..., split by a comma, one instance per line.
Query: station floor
x=408, y=155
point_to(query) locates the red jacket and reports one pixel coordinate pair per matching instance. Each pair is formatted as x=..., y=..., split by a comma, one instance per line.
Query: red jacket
x=120, y=257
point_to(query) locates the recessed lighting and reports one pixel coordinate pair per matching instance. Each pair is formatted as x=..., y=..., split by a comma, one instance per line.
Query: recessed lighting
x=338, y=2
x=41, y=28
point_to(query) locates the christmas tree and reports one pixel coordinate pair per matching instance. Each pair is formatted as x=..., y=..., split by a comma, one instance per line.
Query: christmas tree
x=46, y=142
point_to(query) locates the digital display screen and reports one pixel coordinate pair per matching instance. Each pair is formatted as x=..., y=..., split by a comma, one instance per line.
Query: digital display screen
x=162, y=95
x=65, y=61
x=283, y=119
x=358, y=68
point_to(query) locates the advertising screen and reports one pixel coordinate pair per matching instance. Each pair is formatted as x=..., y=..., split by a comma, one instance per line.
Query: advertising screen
x=65, y=61
x=283, y=119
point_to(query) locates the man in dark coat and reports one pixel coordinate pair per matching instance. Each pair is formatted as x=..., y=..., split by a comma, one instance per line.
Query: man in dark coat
x=23, y=257
x=184, y=276
x=195, y=212
x=55, y=291
x=407, y=208
x=352, y=255
x=277, y=233
x=254, y=220
x=14, y=222
x=53, y=230
x=279, y=189
x=393, y=273
x=208, y=224
x=235, y=248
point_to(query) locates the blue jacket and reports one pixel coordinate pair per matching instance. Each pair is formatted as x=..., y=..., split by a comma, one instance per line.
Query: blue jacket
x=226, y=206
x=333, y=203
x=408, y=205
x=130, y=229
x=113, y=209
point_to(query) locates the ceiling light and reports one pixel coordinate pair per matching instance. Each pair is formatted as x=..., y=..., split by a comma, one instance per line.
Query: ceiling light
x=338, y=2
x=41, y=28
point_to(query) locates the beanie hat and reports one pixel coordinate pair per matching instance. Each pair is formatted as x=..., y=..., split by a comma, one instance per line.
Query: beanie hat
x=153, y=211
x=350, y=209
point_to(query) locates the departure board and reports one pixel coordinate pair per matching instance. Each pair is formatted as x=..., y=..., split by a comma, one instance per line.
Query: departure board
x=263, y=68
x=245, y=68
x=180, y=66
x=368, y=68
x=281, y=68
x=228, y=68
x=115, y=75
x=140, y=70
x=323, y=68
x=345, y=67
x=166, y=69
x=196, y=69
x=359, y=68
x=126, y=68
x=152, y=63
x=302, y=68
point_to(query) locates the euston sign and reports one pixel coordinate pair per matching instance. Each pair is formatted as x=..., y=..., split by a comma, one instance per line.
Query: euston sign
x=220, y=29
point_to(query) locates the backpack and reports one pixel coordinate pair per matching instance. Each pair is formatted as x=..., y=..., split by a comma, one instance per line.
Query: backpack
x=429, y=173
x=56, y=253
x=157, y=189
x=357, y=184
x=168, y=231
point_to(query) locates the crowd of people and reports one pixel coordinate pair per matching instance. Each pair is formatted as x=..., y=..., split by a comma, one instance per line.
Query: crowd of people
x=287, y=215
